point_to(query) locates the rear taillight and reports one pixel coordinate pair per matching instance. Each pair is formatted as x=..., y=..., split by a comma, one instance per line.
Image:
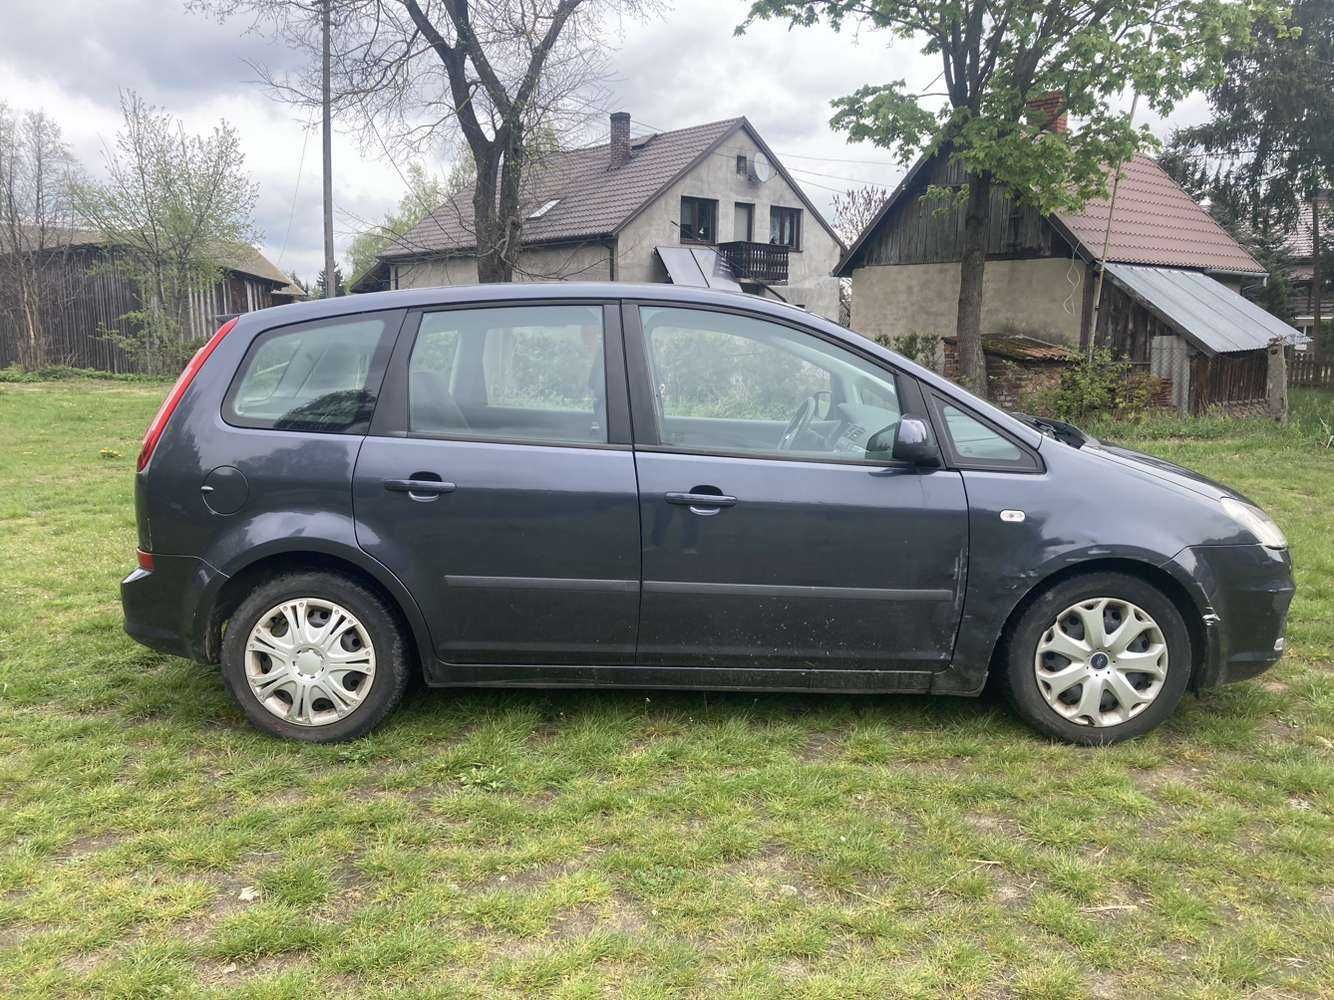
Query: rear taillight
x=145, y=560
x=169, y=404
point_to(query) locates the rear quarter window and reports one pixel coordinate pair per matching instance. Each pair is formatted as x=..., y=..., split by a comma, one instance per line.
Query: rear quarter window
x=321, y=376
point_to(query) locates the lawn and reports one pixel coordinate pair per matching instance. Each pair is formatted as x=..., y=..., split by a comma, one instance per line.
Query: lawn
x=635, y=845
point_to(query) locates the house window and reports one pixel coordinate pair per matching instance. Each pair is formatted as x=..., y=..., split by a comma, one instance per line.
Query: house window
x=743, y=222
x=741, y=166
x=699, y=220
x=785, y=227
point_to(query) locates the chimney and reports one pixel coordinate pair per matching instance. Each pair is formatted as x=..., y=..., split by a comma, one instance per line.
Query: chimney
x=620, y=139
x=1047, y=111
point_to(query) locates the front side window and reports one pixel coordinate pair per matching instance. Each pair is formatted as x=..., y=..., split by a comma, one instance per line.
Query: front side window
x=699, y=220
x=320, y=377
x=785, y=227
x=525, y=373
x=974, y=441
x=730, y=384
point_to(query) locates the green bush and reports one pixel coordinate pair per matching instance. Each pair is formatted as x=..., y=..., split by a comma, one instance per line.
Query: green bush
x=918, y=347
x=61, y=373
x=1093, y=387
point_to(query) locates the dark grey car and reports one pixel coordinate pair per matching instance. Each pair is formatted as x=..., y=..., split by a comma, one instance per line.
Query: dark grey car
x=618, y=485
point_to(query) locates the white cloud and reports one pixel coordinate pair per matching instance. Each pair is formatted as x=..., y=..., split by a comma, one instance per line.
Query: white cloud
x=681, y=68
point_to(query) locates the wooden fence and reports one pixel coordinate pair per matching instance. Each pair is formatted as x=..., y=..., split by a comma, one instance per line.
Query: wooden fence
x=1309, y=371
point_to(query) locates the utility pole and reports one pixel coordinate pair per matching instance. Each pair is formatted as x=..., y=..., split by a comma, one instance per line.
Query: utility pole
x=330, y=276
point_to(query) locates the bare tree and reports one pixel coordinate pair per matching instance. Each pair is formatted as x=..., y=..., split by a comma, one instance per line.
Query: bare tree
x=496, y=73
x=175, y=208
x=855, y=209
x=35, y=229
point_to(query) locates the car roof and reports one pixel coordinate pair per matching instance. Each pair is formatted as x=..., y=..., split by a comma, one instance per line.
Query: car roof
x=415, y=298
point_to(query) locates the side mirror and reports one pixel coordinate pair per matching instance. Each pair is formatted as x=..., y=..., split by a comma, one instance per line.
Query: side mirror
x=914, y=444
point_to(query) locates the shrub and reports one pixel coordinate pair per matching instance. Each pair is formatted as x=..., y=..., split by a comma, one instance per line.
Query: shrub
x=919, y=347
x=1093, y=387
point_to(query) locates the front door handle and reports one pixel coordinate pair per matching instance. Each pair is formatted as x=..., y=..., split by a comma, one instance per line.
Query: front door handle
x=705, y=504
x=419, y=489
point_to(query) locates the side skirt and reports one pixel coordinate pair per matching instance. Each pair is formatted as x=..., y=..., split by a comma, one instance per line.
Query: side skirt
x=442, y=674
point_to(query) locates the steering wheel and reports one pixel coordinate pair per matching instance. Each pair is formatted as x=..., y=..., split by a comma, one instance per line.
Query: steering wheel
x=799, y=422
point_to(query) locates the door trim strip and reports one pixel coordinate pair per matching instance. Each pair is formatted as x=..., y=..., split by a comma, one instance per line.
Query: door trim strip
x=809, y=593
x=543, y=583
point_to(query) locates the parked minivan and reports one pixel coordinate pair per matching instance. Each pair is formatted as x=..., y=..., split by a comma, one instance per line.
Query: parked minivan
x=611, y=485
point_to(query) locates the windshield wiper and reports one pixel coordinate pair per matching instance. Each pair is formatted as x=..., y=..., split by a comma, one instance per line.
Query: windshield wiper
x=1058, y=430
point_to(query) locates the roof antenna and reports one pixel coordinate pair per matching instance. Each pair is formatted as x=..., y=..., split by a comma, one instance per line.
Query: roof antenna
x=1111, y=212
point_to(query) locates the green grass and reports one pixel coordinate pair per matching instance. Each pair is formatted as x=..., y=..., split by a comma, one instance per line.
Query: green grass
x=635, y=845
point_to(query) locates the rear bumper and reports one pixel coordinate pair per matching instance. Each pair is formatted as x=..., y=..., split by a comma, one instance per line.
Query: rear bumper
x=163, y=606
x=1244, y=592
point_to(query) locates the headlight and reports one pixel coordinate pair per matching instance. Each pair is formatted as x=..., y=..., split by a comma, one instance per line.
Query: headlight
x=1256, y=521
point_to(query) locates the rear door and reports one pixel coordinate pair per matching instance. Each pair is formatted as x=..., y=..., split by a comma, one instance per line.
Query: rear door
x=498, y=483
x=777, y=530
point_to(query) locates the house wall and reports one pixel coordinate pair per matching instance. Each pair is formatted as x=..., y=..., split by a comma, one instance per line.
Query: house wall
x=1041, y=297
x=810, y=282
x=574, y=262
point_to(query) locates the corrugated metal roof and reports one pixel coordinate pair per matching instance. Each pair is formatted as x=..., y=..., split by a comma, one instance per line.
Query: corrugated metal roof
x=1206, y=312
x=1157, y=223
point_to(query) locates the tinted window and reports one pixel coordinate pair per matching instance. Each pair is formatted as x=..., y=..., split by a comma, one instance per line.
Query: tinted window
x=314, y=377
x=699, y=219
x=735, y=384
x=785, y=227
x=974, y=440
x=530, y=373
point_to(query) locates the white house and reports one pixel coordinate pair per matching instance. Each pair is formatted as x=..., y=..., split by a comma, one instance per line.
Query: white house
x=709, y=204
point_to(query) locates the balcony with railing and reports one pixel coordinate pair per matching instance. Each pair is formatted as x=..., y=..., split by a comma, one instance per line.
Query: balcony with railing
x=758, y=263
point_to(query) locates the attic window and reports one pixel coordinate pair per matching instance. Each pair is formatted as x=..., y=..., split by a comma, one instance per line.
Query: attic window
x=544, y=209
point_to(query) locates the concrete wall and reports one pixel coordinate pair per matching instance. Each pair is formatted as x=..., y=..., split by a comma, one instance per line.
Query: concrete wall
x=809, y=281
x=1043, y=298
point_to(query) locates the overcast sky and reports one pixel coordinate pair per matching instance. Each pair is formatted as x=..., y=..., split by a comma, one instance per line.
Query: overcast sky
x=72, y=57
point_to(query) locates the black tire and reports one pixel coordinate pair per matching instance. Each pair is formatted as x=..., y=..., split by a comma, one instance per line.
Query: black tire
x=1020, y=680
x=392, y=659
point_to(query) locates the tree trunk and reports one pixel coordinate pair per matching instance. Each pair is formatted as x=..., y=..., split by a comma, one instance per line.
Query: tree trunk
x=1317, y=279
x=972, y=267
x=493, y=262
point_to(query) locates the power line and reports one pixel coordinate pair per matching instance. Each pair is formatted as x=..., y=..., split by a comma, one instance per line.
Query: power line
x=296, y=190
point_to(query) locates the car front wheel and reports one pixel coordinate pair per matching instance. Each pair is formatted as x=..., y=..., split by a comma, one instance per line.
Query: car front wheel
x=315, y=656
x=1098, y=659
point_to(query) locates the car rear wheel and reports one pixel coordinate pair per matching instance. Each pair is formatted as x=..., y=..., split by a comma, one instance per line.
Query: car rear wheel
x=316, y=657
x=1098, y=659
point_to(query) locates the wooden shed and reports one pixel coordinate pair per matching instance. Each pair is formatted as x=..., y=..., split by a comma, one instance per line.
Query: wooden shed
x=1171, y=301
x=86, y=292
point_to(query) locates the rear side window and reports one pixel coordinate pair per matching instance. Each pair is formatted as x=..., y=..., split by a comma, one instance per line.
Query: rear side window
x=521, y=374
x=319, y=377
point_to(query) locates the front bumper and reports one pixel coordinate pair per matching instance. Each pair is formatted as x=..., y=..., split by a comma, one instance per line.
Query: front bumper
x=1243, y=592
x=163, y=606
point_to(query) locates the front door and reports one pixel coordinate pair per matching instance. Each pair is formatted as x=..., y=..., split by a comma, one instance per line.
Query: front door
x=777, y=532
x=499, y=485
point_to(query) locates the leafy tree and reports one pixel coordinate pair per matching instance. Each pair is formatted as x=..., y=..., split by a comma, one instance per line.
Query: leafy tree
x=175, y=208
x=36, y=176
x=998, y=55
x=322, y=283
x=426, y=192
x=1272, y=130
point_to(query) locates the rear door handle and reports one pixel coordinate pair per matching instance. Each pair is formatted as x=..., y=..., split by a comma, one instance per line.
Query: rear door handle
x=419, y=488
x=706, y=504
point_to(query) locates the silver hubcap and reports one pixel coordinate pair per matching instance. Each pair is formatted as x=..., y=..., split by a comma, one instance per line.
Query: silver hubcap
x=309, y=662
x=1102, y=662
